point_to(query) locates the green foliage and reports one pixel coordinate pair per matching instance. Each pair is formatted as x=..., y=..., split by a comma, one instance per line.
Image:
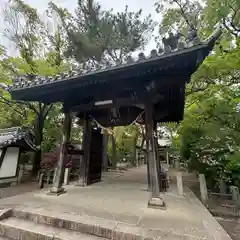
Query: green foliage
x=179, y=15
x=102, y=36
x=207, y=140
x=227, y=11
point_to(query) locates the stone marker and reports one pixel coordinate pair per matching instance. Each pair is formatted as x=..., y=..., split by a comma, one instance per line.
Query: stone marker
x=180, y=183
x=66, y=176
x=20, y=173
x=222, y=188
x=203, y=188
x=235, y=195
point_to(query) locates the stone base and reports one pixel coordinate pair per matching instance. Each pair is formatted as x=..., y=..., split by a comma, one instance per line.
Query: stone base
x=157, y=203
x=79, y=185
x=56, y=191
x=14, y=184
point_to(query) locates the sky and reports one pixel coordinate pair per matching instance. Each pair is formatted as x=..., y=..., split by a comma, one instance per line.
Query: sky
x=117, y=5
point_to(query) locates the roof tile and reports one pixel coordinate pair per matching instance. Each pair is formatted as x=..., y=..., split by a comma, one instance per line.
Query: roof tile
x=10, y=136
x=24, y=81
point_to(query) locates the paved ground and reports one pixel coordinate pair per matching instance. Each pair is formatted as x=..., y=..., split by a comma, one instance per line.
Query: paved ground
x=18, y=189
x=123, y=197
x=232, y=226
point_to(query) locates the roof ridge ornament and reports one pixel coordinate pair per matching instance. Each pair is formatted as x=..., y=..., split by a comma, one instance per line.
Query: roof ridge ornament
x=192, y=36
x=210, y=41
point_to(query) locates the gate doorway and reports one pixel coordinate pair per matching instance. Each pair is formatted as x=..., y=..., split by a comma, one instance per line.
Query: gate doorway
x=94, y=163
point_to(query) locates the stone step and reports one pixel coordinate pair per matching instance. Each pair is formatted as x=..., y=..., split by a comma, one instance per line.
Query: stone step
x=79, y=223
x=15, y=229
x=94, y=226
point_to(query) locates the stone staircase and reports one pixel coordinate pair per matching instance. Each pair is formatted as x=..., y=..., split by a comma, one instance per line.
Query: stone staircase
x=33, y=224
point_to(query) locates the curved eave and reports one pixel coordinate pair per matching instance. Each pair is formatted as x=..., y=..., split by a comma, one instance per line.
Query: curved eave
x=20, y=143
x=57, y=89
x=16, y=137
x=183, y=62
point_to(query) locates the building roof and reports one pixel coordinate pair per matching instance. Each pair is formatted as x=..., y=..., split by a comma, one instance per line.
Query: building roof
x=17, y=136
x=37, y=88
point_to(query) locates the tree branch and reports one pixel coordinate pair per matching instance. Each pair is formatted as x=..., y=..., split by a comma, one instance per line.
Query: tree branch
x=47, y=111
x=10, y=104
x=184, y=15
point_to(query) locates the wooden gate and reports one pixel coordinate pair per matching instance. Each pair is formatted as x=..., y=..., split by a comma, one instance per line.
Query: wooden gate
x=94, y=163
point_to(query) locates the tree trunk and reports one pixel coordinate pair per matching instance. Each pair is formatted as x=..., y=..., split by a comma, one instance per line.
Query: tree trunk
x=134, y=155
x=38, y=142
x=114, y=152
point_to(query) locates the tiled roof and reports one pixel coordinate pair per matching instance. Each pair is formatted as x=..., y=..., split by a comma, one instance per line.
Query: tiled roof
x=11, y=136
x=25, y=82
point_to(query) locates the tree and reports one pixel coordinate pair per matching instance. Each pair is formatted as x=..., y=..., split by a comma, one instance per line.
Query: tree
x=24, y=29
x=97, y=36
x=208, y=135
x=227, y=11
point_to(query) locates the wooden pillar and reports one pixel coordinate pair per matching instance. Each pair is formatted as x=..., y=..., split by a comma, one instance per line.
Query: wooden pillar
x=114, y=152
x=158, y=164
x=151, y=152
x=167, y=158
x=105, y=151
x=148, y=168
x=57, y=188
x=155, y=200
x=86, y=148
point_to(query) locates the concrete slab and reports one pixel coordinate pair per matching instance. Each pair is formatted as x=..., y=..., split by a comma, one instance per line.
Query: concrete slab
x=121, y=197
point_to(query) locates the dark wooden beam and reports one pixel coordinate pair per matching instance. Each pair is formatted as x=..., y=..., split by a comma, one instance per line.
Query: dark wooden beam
x=87, y=129
x=151, y=153
x=105, y=104
x=114, y=102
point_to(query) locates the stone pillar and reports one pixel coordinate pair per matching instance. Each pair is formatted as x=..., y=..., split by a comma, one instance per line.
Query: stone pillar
x=223, y=189
x=235, y=196
x=57, y=188
x=20, y=173
x=155, y=200
x=105, y=151
x=66, y=176
x=180, y=183
x=203, y=188
x=177, y=164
